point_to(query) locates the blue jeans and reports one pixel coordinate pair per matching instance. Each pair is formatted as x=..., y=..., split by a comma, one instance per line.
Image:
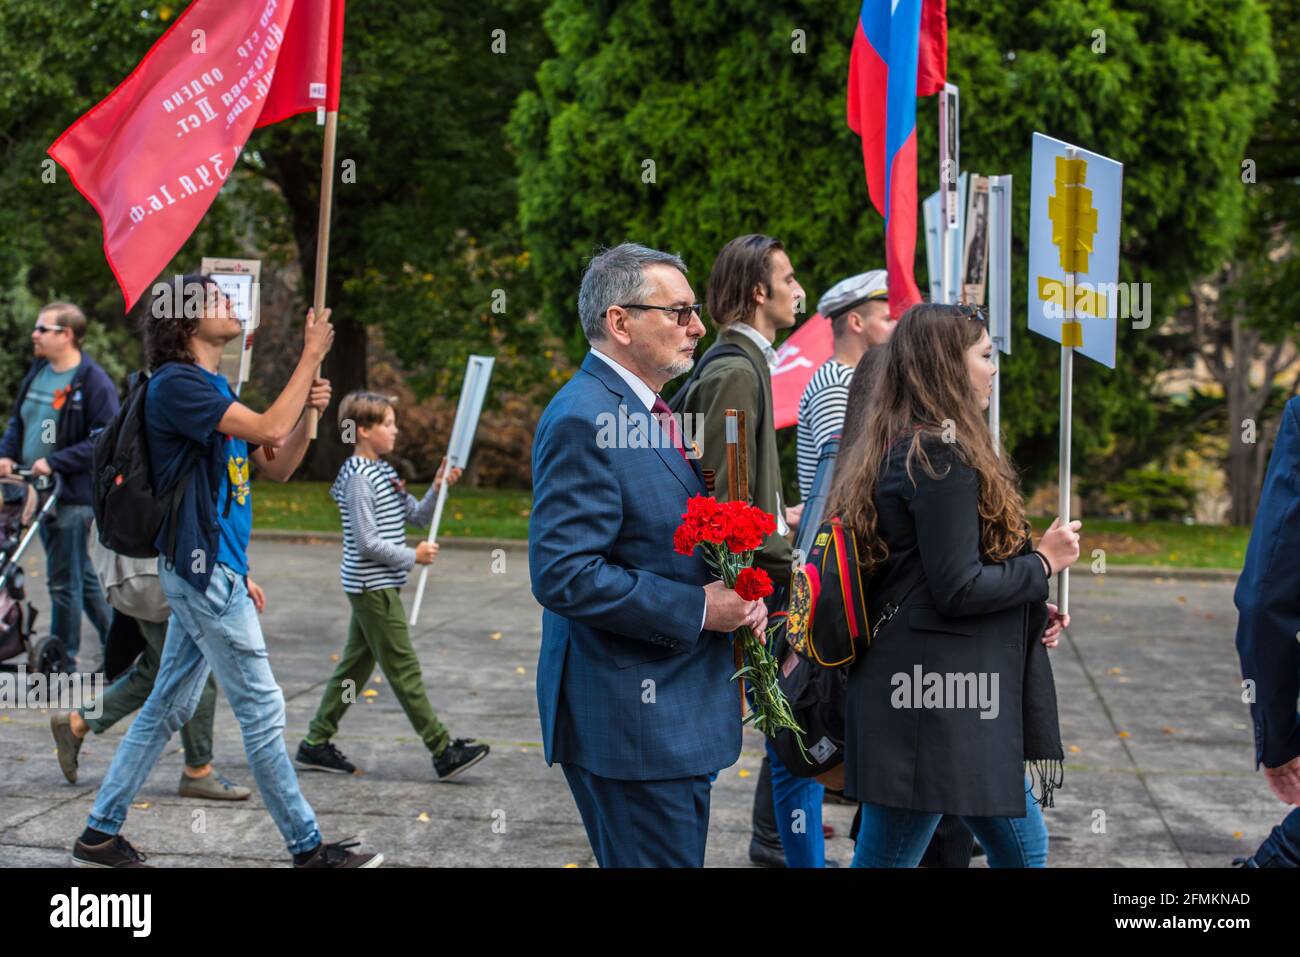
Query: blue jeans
x=798, y=806
x=897, y=837
x=217, y=631
x=74, y=586
x=1282, y=846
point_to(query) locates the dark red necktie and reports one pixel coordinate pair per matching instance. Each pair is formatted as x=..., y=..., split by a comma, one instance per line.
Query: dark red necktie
x=669, y=425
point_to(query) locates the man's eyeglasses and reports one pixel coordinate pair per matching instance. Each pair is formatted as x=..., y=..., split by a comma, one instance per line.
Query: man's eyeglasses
x=42, y=328
x=683, y=313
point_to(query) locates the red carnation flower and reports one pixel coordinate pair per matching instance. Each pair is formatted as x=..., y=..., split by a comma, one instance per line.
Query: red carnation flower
x=707, y=519
x=753, y=583
x=684, y=540
x=748, y=526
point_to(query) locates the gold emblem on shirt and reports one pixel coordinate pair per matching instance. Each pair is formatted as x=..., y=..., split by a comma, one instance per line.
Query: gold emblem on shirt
x=237, y=472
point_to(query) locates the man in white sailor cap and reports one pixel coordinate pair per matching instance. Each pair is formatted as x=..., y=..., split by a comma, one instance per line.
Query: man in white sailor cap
x=858, y=309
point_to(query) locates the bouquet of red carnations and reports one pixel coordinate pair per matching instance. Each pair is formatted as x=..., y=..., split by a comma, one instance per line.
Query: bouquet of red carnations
x=728, y=533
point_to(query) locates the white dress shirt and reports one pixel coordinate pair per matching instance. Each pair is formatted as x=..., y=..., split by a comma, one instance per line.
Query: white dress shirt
x=643, y=391
x=745, y=329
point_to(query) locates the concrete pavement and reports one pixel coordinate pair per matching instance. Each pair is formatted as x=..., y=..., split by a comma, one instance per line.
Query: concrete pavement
x=1159, y=763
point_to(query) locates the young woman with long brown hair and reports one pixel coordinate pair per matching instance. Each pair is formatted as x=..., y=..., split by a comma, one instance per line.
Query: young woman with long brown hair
x=954, y=696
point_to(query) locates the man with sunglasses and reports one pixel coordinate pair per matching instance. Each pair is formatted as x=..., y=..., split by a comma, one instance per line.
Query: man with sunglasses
x=62, y=403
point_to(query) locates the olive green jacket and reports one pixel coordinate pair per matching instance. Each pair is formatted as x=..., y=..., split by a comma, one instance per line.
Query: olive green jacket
x=729, y=383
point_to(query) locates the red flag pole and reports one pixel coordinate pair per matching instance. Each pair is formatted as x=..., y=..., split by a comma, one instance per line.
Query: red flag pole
x=323, y=235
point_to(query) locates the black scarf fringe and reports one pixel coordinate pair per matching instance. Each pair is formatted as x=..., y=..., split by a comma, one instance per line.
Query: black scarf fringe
x=1050, y=775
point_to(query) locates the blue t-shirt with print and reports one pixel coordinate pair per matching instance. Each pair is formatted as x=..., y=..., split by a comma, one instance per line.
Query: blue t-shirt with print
x=234, y=498
x=184, y=405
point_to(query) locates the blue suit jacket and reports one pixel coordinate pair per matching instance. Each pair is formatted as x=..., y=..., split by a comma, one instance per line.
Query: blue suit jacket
x=627, y=685
x=1268, y=601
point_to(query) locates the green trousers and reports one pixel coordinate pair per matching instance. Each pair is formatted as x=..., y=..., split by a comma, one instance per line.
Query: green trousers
x=378, y=633
x=125, y=696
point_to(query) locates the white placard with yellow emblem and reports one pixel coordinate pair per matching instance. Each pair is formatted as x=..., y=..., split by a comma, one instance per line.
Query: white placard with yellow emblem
x=1074, y=216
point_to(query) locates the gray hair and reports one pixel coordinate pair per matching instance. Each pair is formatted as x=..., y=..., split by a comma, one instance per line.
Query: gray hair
x=613, y=277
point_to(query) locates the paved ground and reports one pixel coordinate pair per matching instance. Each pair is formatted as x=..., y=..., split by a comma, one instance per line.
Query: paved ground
x=1158, y=771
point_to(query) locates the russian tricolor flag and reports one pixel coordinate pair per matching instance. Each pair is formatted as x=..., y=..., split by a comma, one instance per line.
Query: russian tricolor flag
x=900, y=52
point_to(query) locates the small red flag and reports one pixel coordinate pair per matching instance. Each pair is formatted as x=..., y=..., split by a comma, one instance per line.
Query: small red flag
x=153, y=154
x=798, y=358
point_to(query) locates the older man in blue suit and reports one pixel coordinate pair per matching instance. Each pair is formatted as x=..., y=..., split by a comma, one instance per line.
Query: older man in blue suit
x=633, y=680
x=1268, y=636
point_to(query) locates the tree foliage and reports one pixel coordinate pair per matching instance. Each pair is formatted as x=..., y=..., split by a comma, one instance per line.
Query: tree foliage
x=748, y=135
x=424, y=226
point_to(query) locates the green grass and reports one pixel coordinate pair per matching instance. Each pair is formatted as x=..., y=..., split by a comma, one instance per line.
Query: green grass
x=496, y=513
x=469, y=513
x=1170, y=544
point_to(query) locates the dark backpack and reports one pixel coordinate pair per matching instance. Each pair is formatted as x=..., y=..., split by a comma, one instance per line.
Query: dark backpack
x=128, y=510
x=830, y=621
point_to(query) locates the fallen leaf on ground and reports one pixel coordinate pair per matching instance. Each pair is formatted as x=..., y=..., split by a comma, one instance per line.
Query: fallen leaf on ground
x=495, y=636
x=519, y=671
x=423, y=818
x=744, y=773
x=1074, y=749
x=141, y=806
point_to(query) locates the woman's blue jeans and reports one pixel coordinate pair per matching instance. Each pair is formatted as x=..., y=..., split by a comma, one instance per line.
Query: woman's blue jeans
x=897, y=837
x=798, y=806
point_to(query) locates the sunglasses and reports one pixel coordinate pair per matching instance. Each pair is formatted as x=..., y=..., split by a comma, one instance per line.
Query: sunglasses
x=42, y=328
x=973, y=312
x=683, y=313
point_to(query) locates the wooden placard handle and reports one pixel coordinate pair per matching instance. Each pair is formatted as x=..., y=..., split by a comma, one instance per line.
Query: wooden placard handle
x=737, y=489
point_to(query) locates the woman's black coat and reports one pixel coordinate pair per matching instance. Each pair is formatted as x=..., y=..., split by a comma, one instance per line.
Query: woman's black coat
x=968, y=617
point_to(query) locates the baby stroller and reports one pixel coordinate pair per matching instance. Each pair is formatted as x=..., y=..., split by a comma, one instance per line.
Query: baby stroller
x=25, y=501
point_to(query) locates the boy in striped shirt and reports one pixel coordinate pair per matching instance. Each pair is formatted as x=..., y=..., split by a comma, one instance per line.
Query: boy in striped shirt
x=376, y=508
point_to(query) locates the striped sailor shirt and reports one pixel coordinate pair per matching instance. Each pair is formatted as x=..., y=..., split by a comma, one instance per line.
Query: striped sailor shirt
x=821, y=415
x=375, y=512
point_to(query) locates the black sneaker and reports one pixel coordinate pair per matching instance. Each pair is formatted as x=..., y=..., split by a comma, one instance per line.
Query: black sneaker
x=338, y=855
x=764, y=855
x=456, y=757
x=323, y=757
x=115, y=853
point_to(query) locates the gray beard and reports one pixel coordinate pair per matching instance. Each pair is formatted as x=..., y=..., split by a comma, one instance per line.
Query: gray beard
x=680, y=367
